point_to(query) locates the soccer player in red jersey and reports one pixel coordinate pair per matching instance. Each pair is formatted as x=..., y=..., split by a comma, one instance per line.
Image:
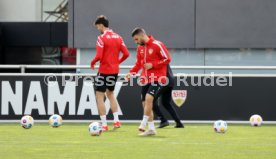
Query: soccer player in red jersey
x=153, y=58
x=108, y=48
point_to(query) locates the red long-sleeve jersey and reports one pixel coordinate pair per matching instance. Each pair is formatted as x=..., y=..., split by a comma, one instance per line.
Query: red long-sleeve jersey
x=156, y=53
x=108, y=48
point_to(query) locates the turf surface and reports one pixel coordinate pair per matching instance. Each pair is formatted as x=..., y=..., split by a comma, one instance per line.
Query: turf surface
x=195, y=141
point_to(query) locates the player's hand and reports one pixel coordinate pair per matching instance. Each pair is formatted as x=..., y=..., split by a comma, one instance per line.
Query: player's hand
x=127, y=76
x=148, y=66
x=92, y=65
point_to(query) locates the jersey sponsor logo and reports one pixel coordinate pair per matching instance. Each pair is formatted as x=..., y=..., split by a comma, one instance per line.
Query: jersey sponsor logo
x=179, y=97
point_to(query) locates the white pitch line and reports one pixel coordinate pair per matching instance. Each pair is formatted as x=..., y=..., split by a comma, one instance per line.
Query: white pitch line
x=138, y=121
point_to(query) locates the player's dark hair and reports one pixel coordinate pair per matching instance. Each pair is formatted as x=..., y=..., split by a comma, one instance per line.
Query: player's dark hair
x=137, y=31
x=102, y=20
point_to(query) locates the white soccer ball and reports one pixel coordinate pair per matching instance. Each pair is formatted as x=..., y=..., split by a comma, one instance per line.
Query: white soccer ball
x=27, y=122
x=55, y=121
x=220, y=126
x=256, y=120
x=95, y=129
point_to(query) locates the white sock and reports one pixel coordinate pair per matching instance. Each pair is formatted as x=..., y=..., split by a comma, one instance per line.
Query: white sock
x=151, y=125
x=103, y=119
x=116, y=116
x=144, y=121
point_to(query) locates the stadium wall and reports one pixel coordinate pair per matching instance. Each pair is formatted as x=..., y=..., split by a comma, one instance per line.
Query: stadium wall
x=41, y=96
x=20, y=11
x=179, y=23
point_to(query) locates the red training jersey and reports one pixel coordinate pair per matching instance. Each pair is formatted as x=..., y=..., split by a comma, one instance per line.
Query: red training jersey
x=156, y=53
x=108, y=48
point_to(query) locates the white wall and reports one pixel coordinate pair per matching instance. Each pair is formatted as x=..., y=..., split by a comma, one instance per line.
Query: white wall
x=20, y=10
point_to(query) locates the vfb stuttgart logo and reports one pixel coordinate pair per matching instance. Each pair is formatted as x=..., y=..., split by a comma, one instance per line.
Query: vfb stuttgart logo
x=179, y=97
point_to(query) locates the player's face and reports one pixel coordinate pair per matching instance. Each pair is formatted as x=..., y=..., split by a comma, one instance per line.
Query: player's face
x=138, y=39
x=100, y=27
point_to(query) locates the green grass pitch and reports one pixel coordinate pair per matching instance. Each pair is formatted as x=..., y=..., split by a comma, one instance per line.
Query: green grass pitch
x=195, y=141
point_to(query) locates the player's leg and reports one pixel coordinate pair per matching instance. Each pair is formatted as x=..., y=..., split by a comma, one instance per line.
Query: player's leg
x=148, y=116
x=100, y=102
x=166, y=102
x=154, y=91
x=111, y=83
x=101, y=108
x=114, y=108
x=100, y=95
x=143, y=124
x=113, y=103
x=148, y=107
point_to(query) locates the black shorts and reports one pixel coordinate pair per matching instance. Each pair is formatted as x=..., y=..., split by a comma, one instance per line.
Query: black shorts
x=154, y=89
x=105, y=81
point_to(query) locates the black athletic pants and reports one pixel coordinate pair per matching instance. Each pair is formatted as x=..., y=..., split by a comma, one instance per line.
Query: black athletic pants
x=165, y=100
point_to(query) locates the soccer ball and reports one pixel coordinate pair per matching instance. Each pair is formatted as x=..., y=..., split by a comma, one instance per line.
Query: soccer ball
x=27, y=122
x=55, y=121
x=220, y=126
x=95, y=129
x=256, y=120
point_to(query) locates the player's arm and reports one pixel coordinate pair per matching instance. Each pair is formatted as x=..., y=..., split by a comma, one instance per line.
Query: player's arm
x=125, y=52
x=99, y=52
x=164, y=55
x=137, y=66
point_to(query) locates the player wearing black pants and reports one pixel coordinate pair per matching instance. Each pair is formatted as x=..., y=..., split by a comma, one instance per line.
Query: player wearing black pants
x=165, y=100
